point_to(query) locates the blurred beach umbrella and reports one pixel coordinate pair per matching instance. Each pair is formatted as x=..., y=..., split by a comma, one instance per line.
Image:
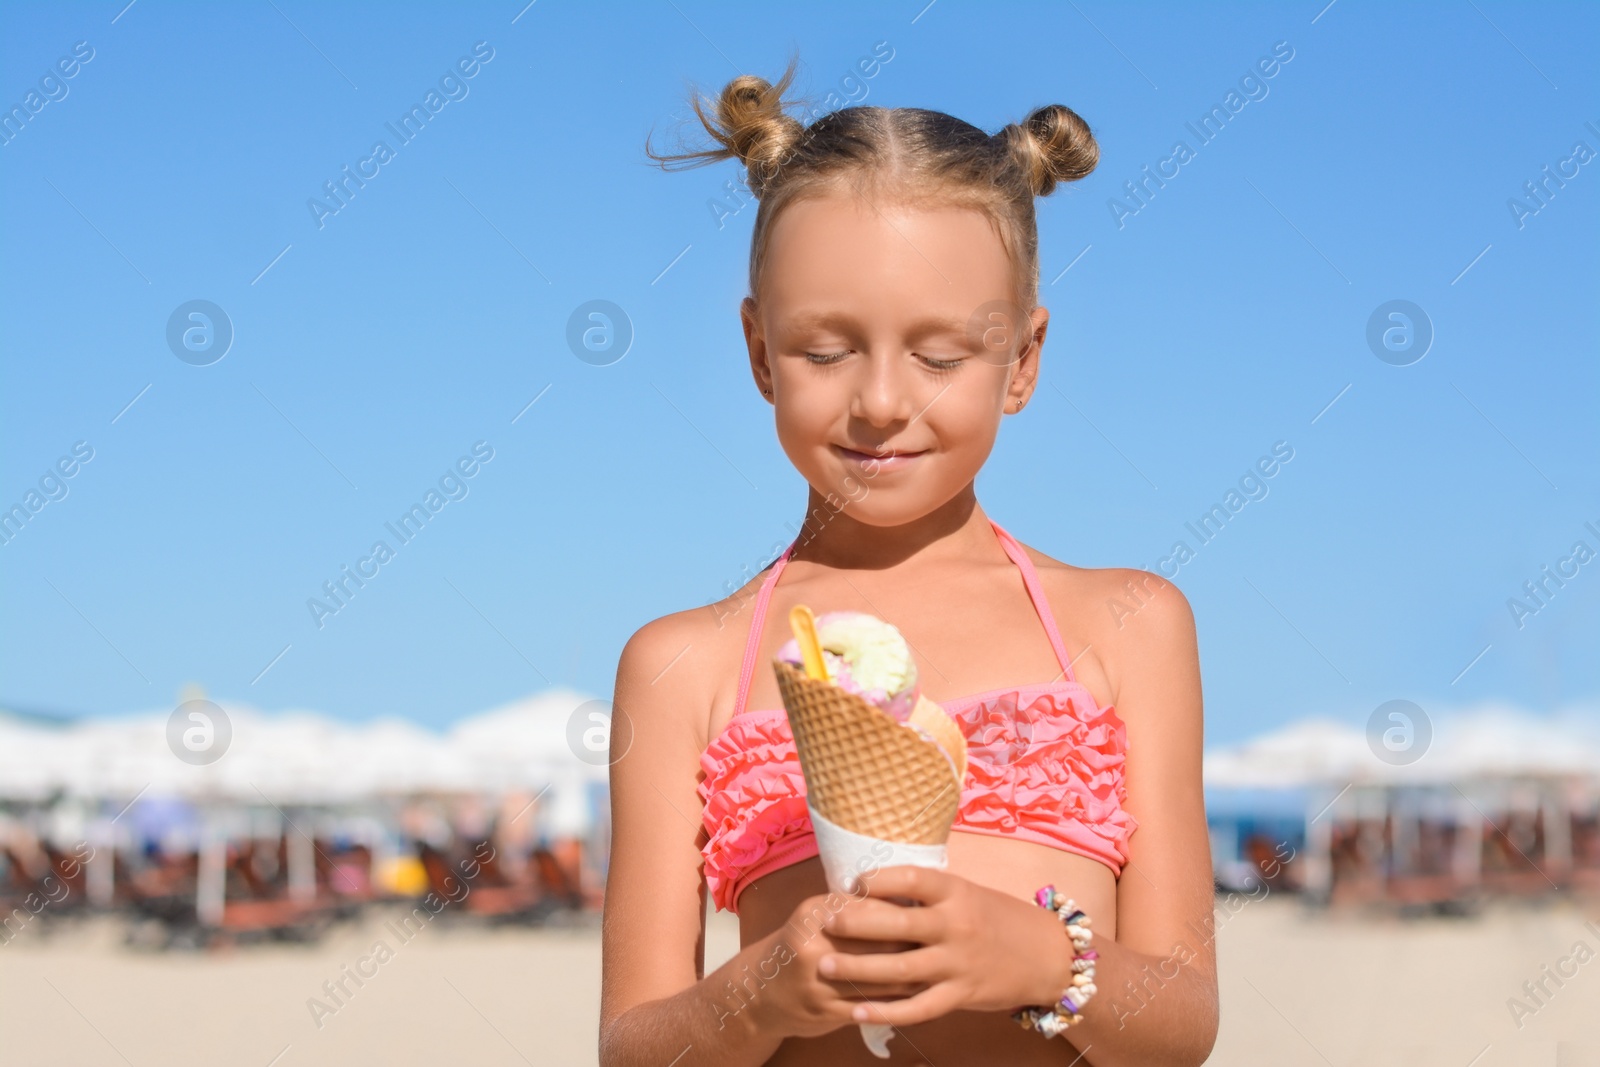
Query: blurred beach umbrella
x=1500, y=742
x=1485, y=743
x=507, y=743
x=1304, y=753
x=29, y=756
x=301, y=758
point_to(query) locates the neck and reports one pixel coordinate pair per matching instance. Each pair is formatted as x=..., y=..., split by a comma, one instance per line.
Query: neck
x=958, y=527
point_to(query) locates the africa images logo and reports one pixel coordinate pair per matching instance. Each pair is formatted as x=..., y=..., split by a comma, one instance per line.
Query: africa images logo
x=452, y=486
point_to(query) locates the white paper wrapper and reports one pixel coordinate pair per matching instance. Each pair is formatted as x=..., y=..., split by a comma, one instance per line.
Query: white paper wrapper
x=846, y=856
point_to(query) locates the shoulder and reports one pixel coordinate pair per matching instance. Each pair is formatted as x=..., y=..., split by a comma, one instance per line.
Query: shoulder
x=682, y=666
x=1120, y=616
x=653, y=646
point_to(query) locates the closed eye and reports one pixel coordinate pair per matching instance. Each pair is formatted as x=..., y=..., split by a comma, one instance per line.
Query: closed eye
x=823, y=359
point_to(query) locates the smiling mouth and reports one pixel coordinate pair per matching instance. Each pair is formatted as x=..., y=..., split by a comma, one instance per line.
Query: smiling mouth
x=876, y=461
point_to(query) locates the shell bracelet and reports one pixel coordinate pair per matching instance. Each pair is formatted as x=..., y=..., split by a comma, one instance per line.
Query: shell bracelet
x=1067, y=1011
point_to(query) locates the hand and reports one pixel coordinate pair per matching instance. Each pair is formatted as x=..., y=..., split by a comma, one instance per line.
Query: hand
x=796, y=998
x=978, y=949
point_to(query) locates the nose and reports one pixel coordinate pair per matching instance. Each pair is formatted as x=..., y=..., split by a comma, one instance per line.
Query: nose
x=883, y=395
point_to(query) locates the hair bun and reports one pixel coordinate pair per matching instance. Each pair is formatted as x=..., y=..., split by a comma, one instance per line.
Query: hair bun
x=1052, y=145
x=749, y=124
x=750, y=113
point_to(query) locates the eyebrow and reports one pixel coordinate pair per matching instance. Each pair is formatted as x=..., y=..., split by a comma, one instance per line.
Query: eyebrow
x=930, y=326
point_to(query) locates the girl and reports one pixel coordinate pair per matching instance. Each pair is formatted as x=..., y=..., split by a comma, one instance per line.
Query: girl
x=892, y=323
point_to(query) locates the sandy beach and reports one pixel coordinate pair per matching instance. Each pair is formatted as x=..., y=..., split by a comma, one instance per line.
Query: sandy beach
x=1296, y=989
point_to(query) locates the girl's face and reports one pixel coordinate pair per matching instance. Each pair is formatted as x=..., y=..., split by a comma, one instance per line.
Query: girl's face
x=889, y=341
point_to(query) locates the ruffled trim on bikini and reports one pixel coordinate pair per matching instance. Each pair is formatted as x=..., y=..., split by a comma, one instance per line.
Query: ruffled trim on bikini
x=754, y=794
x=1049, y=768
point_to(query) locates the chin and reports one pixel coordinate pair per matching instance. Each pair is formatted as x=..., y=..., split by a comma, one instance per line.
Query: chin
x=899, y=506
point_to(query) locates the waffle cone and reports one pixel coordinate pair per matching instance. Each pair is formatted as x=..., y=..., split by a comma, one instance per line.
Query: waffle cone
x=865, y=771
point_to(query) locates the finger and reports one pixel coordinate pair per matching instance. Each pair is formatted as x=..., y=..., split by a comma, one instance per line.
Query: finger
x=866, y=948
x=861, y=992
x=931, y=1003
x=835, y=942
x=920, y=967
x=870, y=919
x=926, y=885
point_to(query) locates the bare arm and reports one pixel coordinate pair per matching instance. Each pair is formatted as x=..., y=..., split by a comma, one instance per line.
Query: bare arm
x=655, y=1008
x=1157, y=999
x=654, y=1005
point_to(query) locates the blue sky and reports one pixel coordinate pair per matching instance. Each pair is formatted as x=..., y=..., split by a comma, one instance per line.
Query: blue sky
x=370, y=353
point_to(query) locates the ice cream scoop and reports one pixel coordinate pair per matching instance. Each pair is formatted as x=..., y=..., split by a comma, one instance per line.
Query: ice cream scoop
x=866, y=656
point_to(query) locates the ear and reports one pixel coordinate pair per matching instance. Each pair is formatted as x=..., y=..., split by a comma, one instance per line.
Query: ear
x=760, y=369
x=1025, y=372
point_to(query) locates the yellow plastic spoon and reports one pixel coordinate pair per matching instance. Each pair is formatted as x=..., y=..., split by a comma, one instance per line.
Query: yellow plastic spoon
x=804, y=625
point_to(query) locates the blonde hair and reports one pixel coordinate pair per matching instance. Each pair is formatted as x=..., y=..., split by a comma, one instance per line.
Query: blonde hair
x=908, y=154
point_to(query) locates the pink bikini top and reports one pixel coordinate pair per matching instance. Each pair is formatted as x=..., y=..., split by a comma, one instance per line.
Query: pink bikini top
x=1044, y=764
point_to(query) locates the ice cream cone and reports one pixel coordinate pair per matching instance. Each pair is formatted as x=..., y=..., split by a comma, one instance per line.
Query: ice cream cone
x=879, y=793
x=866, y=772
